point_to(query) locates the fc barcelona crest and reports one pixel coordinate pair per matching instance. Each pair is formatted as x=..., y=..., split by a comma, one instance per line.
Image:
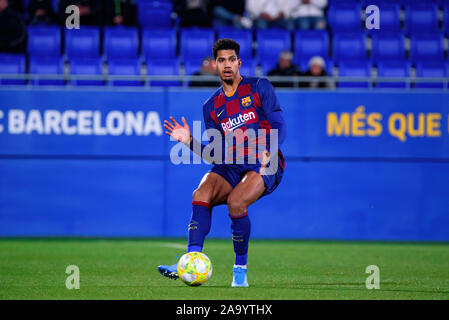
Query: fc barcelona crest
x=246, y=102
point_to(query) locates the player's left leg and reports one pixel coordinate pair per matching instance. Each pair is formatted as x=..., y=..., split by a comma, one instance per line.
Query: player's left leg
x=250, y=188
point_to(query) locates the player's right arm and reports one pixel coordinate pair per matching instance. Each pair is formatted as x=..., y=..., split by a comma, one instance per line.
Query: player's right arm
x=207, y=151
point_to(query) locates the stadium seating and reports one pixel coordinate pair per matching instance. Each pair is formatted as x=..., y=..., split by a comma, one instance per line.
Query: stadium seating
x=431, y=69
x=267, y=66
x=192, y=66
x=354, y=69
x=442, y=3
x=159, y=44
x=405, y=3
x=12, y=64
x=47, y=66
x=125, y=67
x=388, y=47
x=196, y=43
x=344, y=17
x=446, y=20
x=83, y=42
x=44, y=41
x=86, y=67
x=165, y=68
x=121, y=42
x=421, y=18
x=164, y=53
x=248, y=67
x=270, y=43
x=243, y=37
x=393, y=69
x=155, y=14
x=349, y=47
x=366, y=3
x=427, y=47
x=308, y=44
x=53, y=2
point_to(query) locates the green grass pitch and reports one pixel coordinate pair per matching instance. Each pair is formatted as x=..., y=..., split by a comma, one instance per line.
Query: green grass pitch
x=127, y=269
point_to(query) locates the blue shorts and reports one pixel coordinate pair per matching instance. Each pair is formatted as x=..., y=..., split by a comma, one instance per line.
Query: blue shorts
x=233, y=173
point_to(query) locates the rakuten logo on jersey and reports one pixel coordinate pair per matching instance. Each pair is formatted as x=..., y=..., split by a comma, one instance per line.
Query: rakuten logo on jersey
x=232, y=124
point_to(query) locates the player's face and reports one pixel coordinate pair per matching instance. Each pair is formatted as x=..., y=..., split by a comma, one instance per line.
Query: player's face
x=228, y=65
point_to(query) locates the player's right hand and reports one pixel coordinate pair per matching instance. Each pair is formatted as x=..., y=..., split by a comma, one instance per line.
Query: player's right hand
x=178, y=132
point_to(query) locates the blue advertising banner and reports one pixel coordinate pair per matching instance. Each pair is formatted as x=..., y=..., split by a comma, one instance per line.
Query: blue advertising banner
x=359, y=165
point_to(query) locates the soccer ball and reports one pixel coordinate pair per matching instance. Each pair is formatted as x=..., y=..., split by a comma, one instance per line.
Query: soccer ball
x=194, y=268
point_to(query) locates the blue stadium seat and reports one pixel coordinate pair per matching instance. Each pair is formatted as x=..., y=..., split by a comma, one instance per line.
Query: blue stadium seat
x=121, y=42
x=47, y=66
x=395, y=69
x=267, y=66
x=192, y=66
x=344, y=17
x=349, y=47
x=422, y=18
x=406, y=3
x=354, y=69
x=446, y=20
x=248, y=68
x=270, y=43
x=155, y=14
x=309, y=44
x=366, y=3
x=12, y=64
x=44, y=41
x=196, y=43
x=54, y=4
x=442, y=3
x=159, y=44
x=388, y=47
x=125, y=67
x=390, y=18
x=243, y=37
x=163, y=68
x=431, y=70
x=86, y=67
x=83, y=42
x=426, y=47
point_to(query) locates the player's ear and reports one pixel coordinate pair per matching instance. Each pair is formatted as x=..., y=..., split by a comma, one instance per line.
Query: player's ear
x=240, y=62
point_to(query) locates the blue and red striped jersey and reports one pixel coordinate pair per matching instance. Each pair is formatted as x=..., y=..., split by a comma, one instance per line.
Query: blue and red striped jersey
x=253, y=105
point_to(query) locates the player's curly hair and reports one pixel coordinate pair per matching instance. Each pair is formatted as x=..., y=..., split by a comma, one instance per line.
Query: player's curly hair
x=225, y=44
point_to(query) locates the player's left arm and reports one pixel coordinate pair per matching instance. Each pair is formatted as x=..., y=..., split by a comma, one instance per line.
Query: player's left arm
x=272, y=108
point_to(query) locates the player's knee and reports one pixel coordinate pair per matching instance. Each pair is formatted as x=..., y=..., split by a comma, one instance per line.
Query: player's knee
x=200, y=195
x=236, y=206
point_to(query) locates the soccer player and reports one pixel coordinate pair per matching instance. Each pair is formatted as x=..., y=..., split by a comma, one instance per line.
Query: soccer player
x=240, y=104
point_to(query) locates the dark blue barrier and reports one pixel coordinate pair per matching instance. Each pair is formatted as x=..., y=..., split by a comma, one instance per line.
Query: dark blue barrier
x=370, y=166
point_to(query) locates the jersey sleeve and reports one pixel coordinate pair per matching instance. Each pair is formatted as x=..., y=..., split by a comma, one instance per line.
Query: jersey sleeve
x=272, y=108
x=209, y=124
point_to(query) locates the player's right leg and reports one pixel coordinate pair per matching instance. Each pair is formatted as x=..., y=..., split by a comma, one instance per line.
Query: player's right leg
x=212, y=190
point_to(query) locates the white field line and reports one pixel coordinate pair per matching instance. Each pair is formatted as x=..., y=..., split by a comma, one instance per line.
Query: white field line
x=171, y=245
